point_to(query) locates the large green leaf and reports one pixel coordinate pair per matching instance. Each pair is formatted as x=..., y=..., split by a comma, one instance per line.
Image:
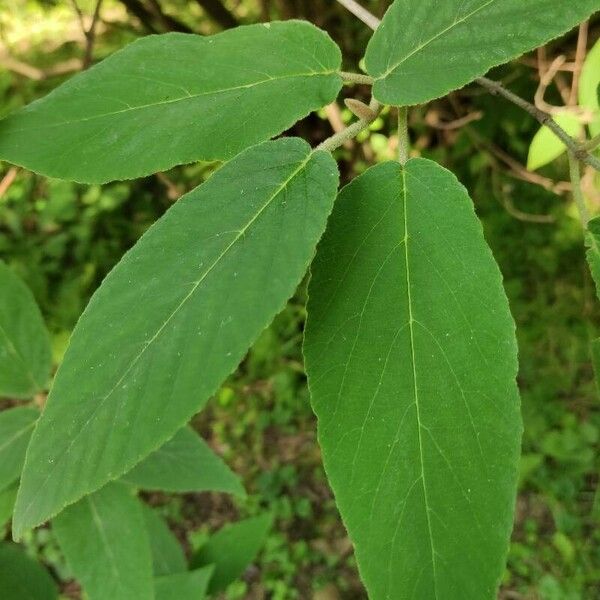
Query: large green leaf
x=183, y=586
x=167, y=554
x=174, y=318
x=546, y=146
x=424, y=49
x=175, y=98
x=16, y=427
x=24, y=342
x=588, y=87
x=411, y=356
x=232, y=549
x=105, y=542
x=185, y=464
x=21, y=578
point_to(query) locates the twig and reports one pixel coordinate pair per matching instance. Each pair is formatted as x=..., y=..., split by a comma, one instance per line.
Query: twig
x=362, y=13
x=8, y=180
x=337, y=140
x=217, y=11
x=578, y=150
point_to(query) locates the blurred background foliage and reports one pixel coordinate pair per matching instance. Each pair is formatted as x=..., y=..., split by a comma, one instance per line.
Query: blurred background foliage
x=63, y=238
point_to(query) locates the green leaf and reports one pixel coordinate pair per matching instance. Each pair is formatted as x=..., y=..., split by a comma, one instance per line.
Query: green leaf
x=7, y=503
x=546, y=146
x=424, y=49
x=588, y=87
x=22, y=578
x=167, y=554
x=104, y=539
x=232, y=549
x=185, y=464
x=16, y=427
x=411, y=356
x=173, y=99
x=174, y=318
x=183, y=586
x=25, y=356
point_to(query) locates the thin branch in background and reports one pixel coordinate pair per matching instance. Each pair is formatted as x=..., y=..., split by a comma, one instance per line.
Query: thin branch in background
x=216, y=10
x=578, y=150
x=580, y=54
x=89, y=33
x=361, y=13
x=8, y=180
x=547, y=77
x=144, y=16
x=166, y=21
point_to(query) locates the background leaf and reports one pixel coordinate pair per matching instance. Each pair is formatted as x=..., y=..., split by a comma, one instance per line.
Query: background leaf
x=24, y=342
x=174, y=318
x=411, y=356
x=455, y=41
x=22, y=578
x=16, y=427
x=105, y=542
x=232, y=549
x=173, y=99
x=167, y=554
x=185, y=464
x=7, y=503
x=546, y=146
x=183, y=586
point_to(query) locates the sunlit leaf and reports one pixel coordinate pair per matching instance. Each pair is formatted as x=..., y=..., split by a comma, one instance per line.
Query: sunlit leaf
x=547, y=146
x=588, y=87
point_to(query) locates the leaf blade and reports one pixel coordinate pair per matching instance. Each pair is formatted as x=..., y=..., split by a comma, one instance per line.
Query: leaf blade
x=394, y=346
x=547, y=146
x=162, y=101
x=104, y=539
x=232, y=549
x=455, y=42
x=16, y=427
x=25, y=356
x=185, y=464
x=259, y=219
x=191, y=585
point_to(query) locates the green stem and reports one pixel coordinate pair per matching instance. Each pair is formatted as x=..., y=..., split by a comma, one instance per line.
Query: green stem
x=593, y=143
x=575, y=173
x=403, y=138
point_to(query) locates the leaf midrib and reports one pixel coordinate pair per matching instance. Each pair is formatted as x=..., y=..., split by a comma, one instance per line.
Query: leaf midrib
x=438, y=35
x=411, y=321
x=173, y=101
x=158, y=332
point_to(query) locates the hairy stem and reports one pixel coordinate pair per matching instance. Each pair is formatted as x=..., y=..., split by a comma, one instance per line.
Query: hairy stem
x=337, y=140
x=357, y=78
x=403, y=139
